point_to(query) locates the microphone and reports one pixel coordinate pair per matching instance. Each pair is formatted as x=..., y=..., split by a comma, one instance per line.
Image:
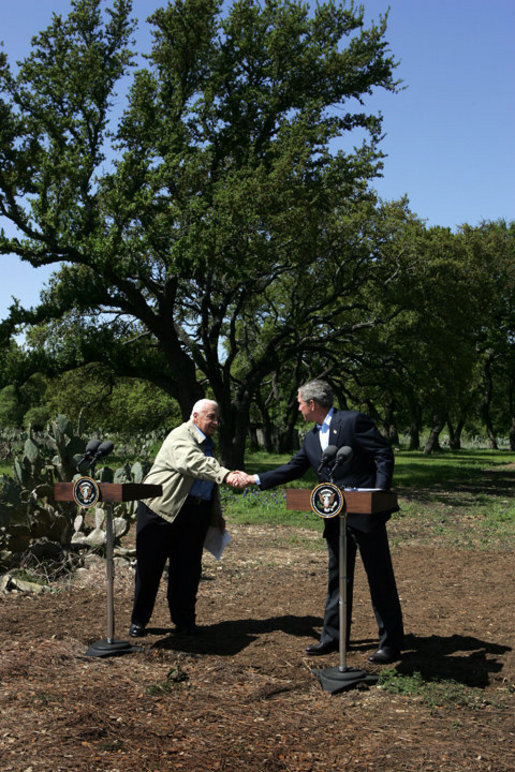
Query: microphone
x=103, y=450
x=327, y=456
x=91, y=447
x=344, y=454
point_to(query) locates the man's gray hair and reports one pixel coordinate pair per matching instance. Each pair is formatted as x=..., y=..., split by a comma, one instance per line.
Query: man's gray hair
x=201, y=405
x=320, y=391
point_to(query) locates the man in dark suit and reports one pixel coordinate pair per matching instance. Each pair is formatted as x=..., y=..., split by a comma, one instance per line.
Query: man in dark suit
x=371, y=466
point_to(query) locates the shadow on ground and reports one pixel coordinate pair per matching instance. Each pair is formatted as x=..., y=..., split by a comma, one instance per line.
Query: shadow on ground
x=470, y=661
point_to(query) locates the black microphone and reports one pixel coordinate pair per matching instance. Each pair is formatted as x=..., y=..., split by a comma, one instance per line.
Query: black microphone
x=91, y=447
x=327, y=456
x=344, y=454
x=103, y=450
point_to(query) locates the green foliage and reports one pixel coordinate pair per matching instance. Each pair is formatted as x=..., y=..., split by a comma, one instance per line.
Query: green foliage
x=446, y=468
x=227, y=246
x=24, y=404
x=31, y=521
x=434, y=693
x=226, y=234
x=254, y=507
x=174, y=681
x=36, y=417
x=93, y=395
x=111, y=404
x=439, y=497
x=11, y=413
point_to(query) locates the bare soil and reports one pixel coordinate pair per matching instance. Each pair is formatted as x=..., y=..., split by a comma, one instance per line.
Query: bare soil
x=242, y=696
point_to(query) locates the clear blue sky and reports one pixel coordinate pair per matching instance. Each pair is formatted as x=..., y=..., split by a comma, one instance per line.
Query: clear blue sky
x=449, y=134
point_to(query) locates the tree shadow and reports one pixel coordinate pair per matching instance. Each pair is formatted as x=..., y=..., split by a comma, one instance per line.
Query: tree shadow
x=465, y=659
x=498, y=482
x=230, y=637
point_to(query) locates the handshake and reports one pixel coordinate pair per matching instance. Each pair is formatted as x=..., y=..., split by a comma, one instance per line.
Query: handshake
x=239, y=479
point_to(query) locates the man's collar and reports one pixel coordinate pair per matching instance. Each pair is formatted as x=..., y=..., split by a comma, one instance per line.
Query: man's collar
x=202, y=435
x=208, y=442
x=327, y=420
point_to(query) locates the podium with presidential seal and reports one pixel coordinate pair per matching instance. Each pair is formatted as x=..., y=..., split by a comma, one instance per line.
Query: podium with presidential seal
x=86, y=492
x=327, y=500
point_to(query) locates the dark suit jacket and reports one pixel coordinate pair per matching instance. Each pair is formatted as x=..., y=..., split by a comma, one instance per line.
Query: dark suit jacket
x=371, y=465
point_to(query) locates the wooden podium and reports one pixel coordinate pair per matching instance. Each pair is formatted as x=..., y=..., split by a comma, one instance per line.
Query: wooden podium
x=367, y=502
x=109, y=494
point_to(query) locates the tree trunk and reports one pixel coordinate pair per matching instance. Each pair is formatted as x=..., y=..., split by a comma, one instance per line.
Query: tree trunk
x=287, y=436
x=433, y=443
x=389, y=427
x=416, y=420
x=455, y=434
x=487, y=402
x=232, y=434
x=253, y=437
x=414, y=436
x=393, y=435
x=266, y=427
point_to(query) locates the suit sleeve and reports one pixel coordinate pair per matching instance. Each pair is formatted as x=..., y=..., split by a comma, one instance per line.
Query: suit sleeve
x=368, y=438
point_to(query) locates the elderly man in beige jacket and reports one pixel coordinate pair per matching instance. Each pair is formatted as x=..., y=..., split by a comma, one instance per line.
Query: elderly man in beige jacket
x=173, y=526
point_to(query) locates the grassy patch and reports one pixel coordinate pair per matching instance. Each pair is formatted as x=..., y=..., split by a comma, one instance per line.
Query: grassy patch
x=255, y=507
x=175, y=679
x=438, y=694
x=412, y=468
x=458, y=499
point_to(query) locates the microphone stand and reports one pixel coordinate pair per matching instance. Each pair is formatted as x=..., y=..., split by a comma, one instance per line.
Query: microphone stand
x=109, y=647
x=342, y=678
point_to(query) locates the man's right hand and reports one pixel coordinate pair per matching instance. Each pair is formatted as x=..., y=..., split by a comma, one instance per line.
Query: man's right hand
x=238, y=479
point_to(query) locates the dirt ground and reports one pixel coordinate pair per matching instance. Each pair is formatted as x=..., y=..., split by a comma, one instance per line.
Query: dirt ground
x=242, y=696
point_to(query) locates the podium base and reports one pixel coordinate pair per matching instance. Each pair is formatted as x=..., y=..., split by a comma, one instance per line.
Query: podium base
x=334, y=680
x=107, y=648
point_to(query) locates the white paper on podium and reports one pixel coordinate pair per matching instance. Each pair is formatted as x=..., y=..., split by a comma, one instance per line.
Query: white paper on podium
x=216, y=541
x=363, y=490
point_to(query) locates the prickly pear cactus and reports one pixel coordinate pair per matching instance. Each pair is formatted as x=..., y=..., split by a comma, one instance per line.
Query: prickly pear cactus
x=28, y=512
x=68, y=445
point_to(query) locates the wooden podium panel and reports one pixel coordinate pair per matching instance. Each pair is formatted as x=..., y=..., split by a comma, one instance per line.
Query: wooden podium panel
x=358, y=502
x=111, y=492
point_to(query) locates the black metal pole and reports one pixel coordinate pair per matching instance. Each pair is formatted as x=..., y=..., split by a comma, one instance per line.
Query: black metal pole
x=342, y=678
x=110, y=647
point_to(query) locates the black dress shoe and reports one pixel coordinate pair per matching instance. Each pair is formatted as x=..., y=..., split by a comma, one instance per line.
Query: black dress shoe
x=322, y=648
x=384, y=655
x=137, y=631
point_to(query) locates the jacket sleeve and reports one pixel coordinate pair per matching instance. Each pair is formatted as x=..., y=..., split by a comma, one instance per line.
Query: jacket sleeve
x=369, y=440
x=184, y=455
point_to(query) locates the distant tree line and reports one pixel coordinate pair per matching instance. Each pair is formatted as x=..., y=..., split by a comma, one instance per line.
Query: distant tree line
x=215, y=240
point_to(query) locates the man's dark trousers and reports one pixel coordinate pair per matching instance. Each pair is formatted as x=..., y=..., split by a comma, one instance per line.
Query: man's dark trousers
x=181, y=542
x=375, y=554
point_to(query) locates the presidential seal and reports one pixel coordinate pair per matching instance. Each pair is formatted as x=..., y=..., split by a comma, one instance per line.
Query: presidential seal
x=327, y=500
x=86, y=492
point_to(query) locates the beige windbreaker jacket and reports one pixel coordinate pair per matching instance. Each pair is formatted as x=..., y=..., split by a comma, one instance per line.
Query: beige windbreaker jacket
x=179, y=461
